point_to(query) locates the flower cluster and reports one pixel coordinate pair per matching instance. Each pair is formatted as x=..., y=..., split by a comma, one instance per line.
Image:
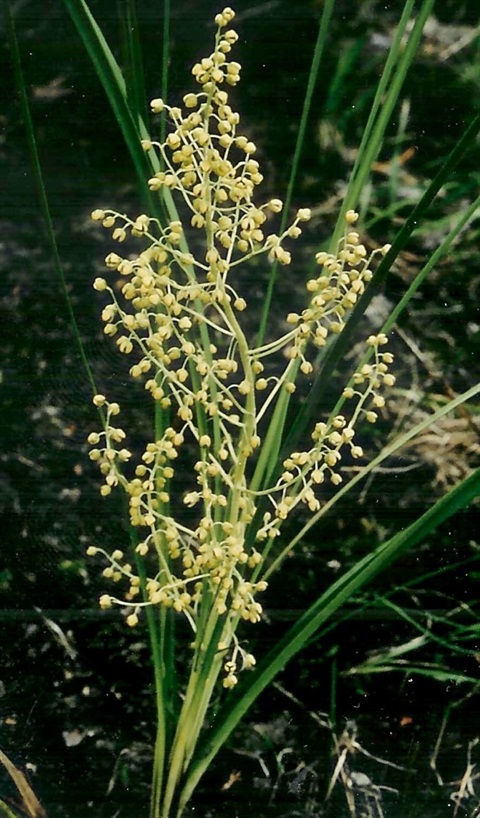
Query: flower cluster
x=178, y=316
x=305, y=470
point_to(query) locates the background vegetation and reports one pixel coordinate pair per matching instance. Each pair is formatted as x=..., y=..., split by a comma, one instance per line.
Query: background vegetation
x=75, y=685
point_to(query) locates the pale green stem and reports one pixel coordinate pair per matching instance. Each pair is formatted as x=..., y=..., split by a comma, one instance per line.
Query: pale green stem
x=238, y=476
x=204, y=673
x=272, y=441
x=192, y=714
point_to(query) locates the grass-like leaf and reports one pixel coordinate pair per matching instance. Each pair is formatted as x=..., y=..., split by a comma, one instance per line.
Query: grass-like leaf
x=432, y=671
x=302, y=129
x=399, y=60
x=135, y=78
x=131, y=123
x=115, y=88
x=42, y=193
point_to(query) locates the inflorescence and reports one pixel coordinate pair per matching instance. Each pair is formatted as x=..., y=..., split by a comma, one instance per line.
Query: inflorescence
x=178, y=315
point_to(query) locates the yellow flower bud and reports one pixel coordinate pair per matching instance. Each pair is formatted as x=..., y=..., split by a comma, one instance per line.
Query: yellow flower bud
x=157, y=105
x=351, y=217
x=275, y=205
x=304, y=214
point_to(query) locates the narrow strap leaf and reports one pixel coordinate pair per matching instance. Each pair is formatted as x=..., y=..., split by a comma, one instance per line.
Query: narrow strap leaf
x=42, y=194
x=311, y=83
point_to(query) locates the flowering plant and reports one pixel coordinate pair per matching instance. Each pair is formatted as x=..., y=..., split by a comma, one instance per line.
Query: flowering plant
x=179, y=315
x=222, y=399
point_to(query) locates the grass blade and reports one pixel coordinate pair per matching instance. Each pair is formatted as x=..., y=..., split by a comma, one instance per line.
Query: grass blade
x=165, y=64
x=30, y=802
x=42, y=194
x=135, y=84
x=430, y=671
x=133, y=128
x=311, y=83
x=114, y=85
x=396, y=68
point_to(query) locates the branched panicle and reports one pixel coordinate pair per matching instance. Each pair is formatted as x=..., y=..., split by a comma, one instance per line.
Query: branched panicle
x=180, y=317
